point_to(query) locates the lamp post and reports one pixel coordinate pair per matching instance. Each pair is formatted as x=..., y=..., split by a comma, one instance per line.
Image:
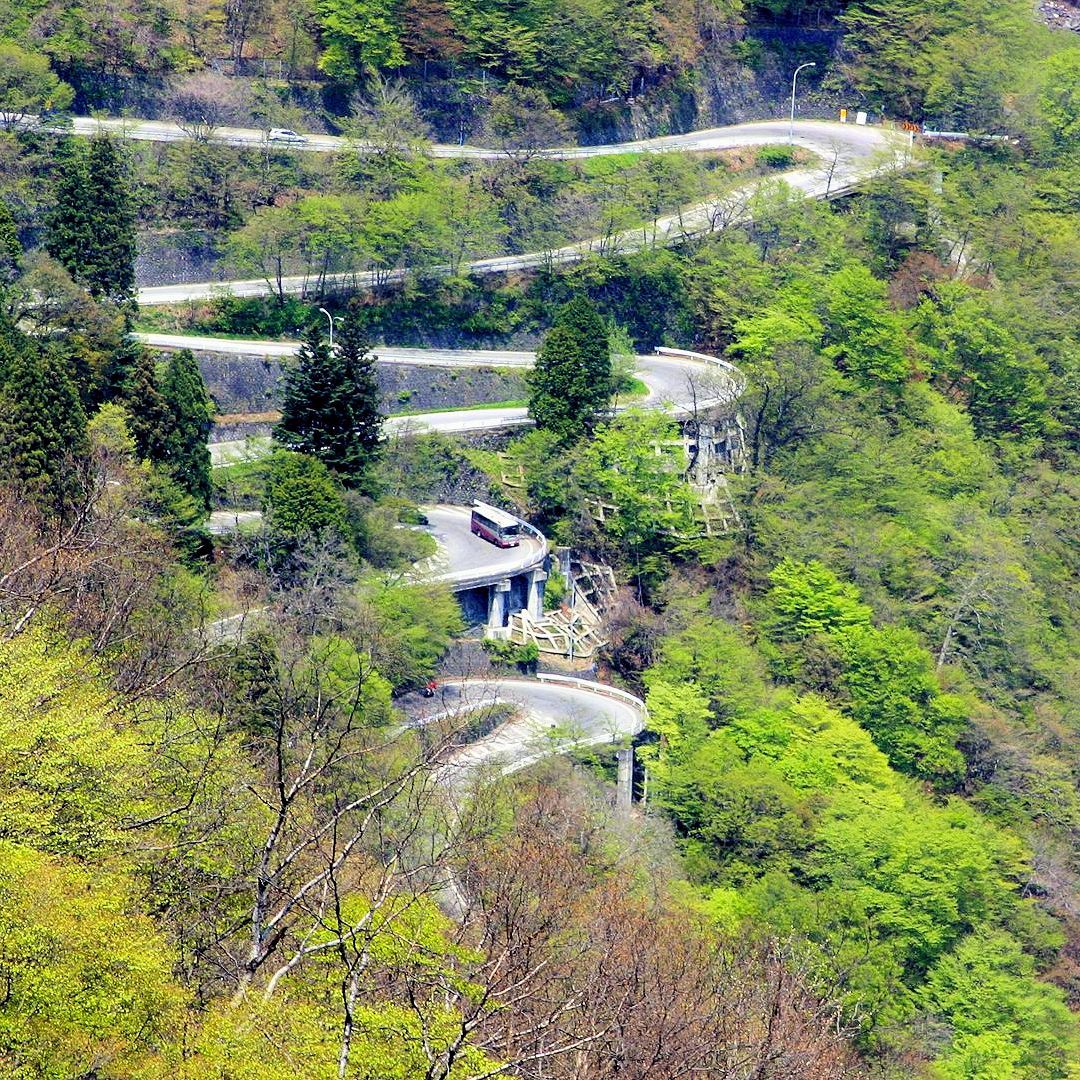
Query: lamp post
x=791, y=125
x=331, y=318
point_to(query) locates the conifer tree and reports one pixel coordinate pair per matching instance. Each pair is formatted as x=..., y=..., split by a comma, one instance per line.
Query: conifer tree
x=68, y=225
x=42, y=425
x=189, y=417
x=330, y=408
x=359, y=408
x=129, y=379
x=91, y=228
x=572, y=383
x=11, y=251
x=112, y=268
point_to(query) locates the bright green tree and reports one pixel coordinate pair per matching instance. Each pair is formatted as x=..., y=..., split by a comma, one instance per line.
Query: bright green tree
x=88, y=988
x=975, y=352
x=189, y=417
x=27, y=85
x=571, y=383
x=301, y=496
x=361, y=38
x=864, y=337
x=636, y=466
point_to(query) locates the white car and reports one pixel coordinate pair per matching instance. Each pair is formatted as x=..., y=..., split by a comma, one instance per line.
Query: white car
x=285, y=135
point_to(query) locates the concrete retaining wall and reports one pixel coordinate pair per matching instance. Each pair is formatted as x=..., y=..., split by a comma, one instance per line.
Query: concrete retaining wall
x=252, y=384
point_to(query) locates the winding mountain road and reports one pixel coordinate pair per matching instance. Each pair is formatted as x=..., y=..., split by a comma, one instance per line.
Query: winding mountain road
x=848, y=155
x=554, y=713
x=677, y=381
x=808, y=133
x=579, y=712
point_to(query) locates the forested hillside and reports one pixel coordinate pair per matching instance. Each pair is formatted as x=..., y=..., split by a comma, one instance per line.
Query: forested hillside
x=240, y=678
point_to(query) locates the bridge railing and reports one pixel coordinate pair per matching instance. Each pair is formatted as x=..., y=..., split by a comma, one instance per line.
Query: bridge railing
x=536, y=534
x=597, y=688
x=600, y=689
x=714, y=361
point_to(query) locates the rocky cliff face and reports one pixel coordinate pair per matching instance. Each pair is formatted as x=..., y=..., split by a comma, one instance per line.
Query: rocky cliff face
x=1061, y=14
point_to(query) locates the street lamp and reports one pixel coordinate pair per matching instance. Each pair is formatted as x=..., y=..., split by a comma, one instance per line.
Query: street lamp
x=791, y=126
x=331, y=318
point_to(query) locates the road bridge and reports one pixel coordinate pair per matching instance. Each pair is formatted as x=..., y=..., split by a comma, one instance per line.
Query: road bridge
x=492, y=583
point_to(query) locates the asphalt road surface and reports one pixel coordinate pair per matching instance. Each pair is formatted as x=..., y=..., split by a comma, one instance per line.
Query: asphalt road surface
x=554, y=715
x=465, y=560
x=810, y=133
x=677, y=383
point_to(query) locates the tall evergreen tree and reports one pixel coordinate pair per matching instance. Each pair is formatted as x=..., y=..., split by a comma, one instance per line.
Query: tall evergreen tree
x=112, y=269
x=330, y=408
x=359, y=407
x=189, y=416
x=91, y=228
x=42, y=424
x=572, y=383
x=69, y=224
x=130, y=380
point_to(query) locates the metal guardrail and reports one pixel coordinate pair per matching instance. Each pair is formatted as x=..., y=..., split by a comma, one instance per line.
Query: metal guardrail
x=601, y=689
x=536, y=534
x=715, y=361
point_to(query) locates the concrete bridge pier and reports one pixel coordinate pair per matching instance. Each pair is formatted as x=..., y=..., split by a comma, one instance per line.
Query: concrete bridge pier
x=498, y=597
x=535, y=604
x=624, y=785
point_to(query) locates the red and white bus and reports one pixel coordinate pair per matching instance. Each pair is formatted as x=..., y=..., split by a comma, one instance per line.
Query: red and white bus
x=495, y=526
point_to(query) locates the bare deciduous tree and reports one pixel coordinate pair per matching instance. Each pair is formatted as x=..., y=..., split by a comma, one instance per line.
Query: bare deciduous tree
x=205, y=101
x=576, y=977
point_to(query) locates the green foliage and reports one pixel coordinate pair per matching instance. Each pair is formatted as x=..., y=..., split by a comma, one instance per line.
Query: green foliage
x=863, y=335
x=418, y=623
x=510, y=652
x=883, y=675
x=27, y=85
x=953, y=62
x=361, y=38
x=188, y=419
x=11, y=252
x=1006, y=1024
x=634, y=470
x=42, y=423
x=807, y=599
x=69, y=769
x=1003, y=379
x=91, y=228
x=130, y=380
x=87, y=979
x=330, y=408
x=301, y=496
x=776, y=157
x=571, y=383
x=792, y=818
x=895, y=696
